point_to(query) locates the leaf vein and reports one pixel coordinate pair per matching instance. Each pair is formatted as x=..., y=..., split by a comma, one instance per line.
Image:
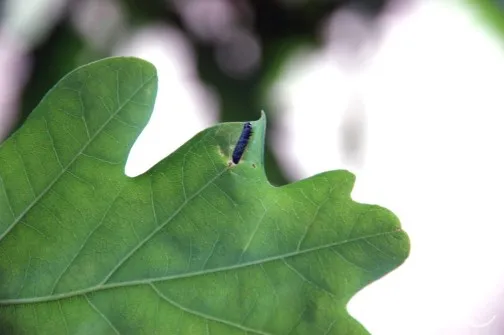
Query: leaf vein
x=23, y=165
x=51, y=184
x=254, y=232
x=103, y=316
x=347, y=260
x=310, y=225
x=192, y=274
x=203, y=315
x=83, y=115
x=303, y=277
x=55, y=285
x=63, y=317
x=7, y=198
x=210, y=254
x=25, y=275
x=53, y=147
x=156, y=230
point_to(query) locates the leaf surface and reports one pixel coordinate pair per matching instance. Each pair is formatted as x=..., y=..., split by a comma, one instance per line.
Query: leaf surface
x=194, y=246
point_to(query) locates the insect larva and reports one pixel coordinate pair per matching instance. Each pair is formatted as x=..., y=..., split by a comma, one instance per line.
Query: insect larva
x=241, y=145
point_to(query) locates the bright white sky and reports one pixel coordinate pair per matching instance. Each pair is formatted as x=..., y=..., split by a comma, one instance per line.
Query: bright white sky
x=433, y=100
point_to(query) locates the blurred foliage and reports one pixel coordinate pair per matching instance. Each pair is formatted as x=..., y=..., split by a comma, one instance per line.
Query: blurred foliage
x=280, y=27
x=492, y=12
x=52, y=61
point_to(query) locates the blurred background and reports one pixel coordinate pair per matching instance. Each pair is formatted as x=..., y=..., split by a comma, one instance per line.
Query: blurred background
x=407, y=94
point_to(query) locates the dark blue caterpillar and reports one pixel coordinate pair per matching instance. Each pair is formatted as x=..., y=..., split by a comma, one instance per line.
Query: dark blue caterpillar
x=241, y=145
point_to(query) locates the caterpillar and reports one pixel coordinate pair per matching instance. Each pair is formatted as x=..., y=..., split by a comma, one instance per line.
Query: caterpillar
x=241, y=145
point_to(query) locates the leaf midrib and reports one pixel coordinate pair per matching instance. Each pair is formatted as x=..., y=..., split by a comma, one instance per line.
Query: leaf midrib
x=191, y=274
x=64, y=169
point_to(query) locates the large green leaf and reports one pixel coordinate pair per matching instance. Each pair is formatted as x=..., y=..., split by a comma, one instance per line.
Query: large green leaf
x=194, y=246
